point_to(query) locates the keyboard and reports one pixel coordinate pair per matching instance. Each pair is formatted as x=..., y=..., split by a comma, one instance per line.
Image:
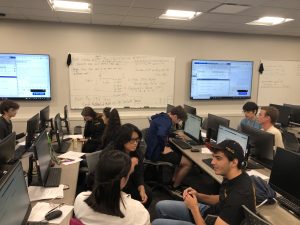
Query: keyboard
x=19, y=152
x=208, y=162
x=182, y=144
x=192, y=142
x=53, y=179
x=251, y=165
x=289, y=205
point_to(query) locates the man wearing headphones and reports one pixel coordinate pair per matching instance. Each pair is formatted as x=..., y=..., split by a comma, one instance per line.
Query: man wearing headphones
x=236, y=190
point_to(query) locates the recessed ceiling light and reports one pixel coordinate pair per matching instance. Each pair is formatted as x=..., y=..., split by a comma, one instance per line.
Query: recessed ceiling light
x=69, y=6
x=270, y=21
x=179, y=15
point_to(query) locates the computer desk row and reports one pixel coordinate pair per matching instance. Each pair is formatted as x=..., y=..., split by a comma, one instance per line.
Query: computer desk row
x=272, y=213
x=69, y=177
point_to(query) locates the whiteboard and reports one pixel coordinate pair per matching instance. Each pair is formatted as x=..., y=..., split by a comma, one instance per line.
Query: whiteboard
x=137, y=81
x=279, y=83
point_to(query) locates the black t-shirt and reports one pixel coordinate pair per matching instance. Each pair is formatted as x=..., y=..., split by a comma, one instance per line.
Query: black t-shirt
x=5, y=127
x=94, y=129
x=233, y=194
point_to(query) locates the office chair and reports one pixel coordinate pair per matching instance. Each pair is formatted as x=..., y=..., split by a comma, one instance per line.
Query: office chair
x=157, y=174
x=252, y=219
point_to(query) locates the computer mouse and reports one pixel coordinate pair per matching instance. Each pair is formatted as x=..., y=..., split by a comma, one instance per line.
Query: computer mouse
x=53, y=215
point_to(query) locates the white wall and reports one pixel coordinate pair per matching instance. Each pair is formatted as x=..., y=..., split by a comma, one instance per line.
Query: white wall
x=58, y=40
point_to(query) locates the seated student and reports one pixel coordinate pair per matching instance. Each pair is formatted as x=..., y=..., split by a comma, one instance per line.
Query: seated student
x=8, y=109
x=236, y=190
x=157, y=142
x=93, y=130
x=128, y=141
x=250, y=110
x=107, y=204
x=112, y=123
x=267, y=117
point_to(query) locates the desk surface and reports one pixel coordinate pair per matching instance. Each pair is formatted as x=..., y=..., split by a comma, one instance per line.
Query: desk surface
x=68, y=177
x=273, y=213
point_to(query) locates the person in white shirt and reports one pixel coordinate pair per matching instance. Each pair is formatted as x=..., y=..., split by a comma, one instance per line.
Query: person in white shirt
x=107, y=204
x=267, y=117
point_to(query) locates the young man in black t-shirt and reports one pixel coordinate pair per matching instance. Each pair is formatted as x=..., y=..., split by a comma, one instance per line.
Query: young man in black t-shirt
x=236, y=190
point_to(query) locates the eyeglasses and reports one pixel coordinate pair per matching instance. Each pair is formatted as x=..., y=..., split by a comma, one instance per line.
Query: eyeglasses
x=134, y=140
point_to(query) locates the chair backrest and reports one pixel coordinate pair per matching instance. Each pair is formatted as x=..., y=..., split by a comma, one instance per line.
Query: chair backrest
x=75, y=221
x=92, y=160
x=143, y=144
x=252, y=218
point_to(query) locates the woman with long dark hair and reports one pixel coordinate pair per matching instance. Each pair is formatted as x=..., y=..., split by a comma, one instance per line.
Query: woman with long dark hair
x=128, y=141
x=112, y=123
x=107, y=204
x=93, y=130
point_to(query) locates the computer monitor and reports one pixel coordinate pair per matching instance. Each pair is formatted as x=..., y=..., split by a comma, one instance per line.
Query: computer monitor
x=190, y=109
x=261, y=145
x=44, y=118
x=213, y=123
x=192, y=127
x=284, y=177
x=32, y=128
x=42, y=154
x=58, y=131
x=169, y=108
x=14, y=200
x=226, y=133
x=284, y=114
x=295, y=114
x=7, y=148
x=66, y=119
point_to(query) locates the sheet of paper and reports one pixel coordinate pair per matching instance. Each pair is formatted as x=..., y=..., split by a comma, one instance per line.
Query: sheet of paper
x=255, y=173
x=70, y=161
x=39, y=211
x=73, y=136
x=39, y=193
x=203, y=134
x=205, y=150
x=71, y=155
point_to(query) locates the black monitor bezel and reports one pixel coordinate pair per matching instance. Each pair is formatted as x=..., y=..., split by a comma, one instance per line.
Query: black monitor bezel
x=190, y=109
x=10, y=142
x=223, y=97
x=210, y=130
x=284, y=193
x=199, y=139
x=10, y=170
x=30, y=132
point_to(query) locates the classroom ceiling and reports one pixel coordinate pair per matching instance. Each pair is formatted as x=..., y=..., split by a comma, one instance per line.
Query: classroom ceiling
x=145, y=13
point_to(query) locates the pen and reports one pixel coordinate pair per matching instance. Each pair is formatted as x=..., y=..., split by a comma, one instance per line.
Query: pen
x=56, y=207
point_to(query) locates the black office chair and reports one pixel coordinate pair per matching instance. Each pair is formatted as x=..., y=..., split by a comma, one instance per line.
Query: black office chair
x=253, y=219
x=157, y=174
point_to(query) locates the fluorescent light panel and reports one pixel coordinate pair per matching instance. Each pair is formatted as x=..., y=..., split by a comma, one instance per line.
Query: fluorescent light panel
x=70, y=6
x=270, y=21
x=179, y=15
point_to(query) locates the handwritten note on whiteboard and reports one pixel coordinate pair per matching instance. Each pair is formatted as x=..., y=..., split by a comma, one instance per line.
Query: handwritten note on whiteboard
x=121, y=81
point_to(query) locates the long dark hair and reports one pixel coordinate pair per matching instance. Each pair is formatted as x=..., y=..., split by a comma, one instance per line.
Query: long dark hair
x=125, y=134
x=106, y=195
x=113, y=126
x=89, y=111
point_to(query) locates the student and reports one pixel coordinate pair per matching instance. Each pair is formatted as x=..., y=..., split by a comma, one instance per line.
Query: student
x=112, y=123
x=8, y=109
x=236, y=190
x=128, y=141
x=157, y=143
x=250, y=110
x=93, y=130
x=107, y=204
x=267, y=117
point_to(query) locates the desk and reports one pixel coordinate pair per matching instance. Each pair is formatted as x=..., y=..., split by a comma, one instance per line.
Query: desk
x=69, y=177
x=273, y=213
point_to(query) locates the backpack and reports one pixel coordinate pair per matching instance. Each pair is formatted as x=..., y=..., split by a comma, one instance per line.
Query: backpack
x=263, y=192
